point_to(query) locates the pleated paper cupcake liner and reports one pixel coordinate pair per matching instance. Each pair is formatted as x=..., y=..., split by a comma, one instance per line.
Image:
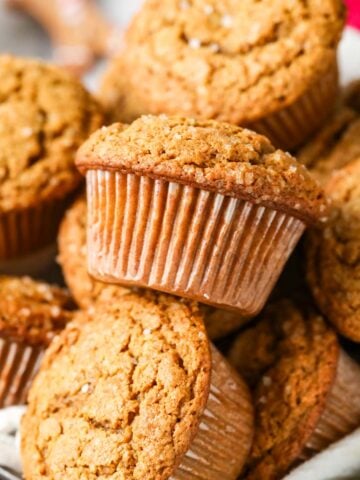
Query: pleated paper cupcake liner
x=291, y=126
x=19, y=364
x=342, y=412
x=215, y=249
x=29, y=230
x=222, y=444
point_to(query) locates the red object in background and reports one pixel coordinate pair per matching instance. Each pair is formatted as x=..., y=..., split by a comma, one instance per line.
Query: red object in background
x=354, y=13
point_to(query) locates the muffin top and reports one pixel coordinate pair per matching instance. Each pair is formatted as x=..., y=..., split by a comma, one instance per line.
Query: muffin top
x=73, y=260
x=120, y=393
x=45, y=115
x=333, y=253
x=210, y=155
x=334, y=146
x=31, y=311
x=234, y=61
x=291, y=358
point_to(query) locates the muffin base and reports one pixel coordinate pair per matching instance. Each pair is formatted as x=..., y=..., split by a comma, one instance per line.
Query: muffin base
x=222, y=444
x=19, y=364
x=291, y=126
x=30, y=229
x=342, y=411
x=175, y=238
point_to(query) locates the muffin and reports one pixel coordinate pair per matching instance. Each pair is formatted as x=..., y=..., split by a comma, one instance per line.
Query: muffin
x=133, y=391
x=31, y=314
x=87, y=291
x=45, y=115
x=306, y=389
x=333, y=270
x=269, y=66
x=200, y=209
x=336, y=145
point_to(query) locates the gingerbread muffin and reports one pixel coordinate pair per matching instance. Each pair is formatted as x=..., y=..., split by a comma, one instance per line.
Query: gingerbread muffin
x=306, y=389
x=31, y=314
x=133, y=391
x=200, y=209
x=87, y=291
x=333, y=270
x=270, y=66
x=336, y=145
x=45, y=115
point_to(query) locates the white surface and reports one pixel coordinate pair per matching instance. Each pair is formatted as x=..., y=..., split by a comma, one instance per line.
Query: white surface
x=340, y=461
x=9, y=445
x=349, y=55
x=21, y=36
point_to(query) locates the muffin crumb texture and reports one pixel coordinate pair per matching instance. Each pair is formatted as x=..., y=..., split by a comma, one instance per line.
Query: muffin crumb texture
x=290, y=358
x=334, y=146
x=45, y=115
x=32, y=311
x=333, y=269
x=229, y=61
x=206, y=154
x=120, y=393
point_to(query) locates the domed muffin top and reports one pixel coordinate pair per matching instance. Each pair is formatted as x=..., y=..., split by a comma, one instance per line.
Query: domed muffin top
x=291, y=358
x=45, y=115
x=120, y=392
x=211, y=155
x=233, y=60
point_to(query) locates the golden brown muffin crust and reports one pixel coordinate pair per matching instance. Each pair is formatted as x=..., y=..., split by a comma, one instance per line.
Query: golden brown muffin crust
x=334, y=146
x=206, y=154
x=292, y=361
x=45, y=115
x=333, y=254
x=234, y=61
x=32, y=311
x=120, y=393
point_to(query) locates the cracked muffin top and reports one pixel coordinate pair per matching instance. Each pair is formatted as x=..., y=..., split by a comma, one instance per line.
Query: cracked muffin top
x=233, y=61
x=32, y=312
x=120, y=393
x=290, y=357
x=334, y=146
x=45, y=115
x=210, y=155
x=333, y=254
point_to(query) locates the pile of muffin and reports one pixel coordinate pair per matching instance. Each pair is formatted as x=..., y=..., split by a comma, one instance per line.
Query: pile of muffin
x=188, y=221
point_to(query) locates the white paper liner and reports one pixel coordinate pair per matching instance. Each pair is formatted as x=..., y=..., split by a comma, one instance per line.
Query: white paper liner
x=186, y=241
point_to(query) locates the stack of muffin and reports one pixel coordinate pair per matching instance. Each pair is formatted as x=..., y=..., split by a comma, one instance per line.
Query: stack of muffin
x=188, y=220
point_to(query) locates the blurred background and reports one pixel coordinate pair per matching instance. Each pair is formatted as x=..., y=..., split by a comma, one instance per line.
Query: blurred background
x=22, y=35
